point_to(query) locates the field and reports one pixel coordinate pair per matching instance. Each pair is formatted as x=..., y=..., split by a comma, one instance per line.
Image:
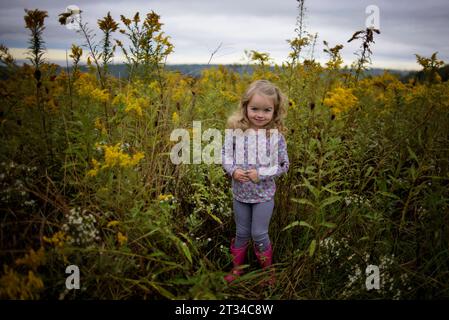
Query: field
x=86, y=177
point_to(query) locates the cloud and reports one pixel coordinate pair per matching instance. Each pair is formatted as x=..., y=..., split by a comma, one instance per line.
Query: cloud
x=197, y=27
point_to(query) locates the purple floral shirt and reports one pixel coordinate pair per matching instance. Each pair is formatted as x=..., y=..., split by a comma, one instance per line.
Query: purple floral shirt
x=265, y=189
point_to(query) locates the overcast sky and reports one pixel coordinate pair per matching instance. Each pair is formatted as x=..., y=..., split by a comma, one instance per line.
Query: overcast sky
x=197, y=27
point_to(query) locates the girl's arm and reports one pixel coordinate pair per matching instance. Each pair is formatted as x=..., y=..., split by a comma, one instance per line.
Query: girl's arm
x=283, y=162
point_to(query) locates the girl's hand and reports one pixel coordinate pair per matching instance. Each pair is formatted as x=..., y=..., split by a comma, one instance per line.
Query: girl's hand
x=240, y=175
x=252, y=174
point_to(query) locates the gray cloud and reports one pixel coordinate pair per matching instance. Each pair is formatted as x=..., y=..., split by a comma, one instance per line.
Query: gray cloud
x=198, y=26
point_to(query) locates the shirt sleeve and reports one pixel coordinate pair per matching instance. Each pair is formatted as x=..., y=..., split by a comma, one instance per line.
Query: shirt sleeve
x=227, y=157
x=283, y=162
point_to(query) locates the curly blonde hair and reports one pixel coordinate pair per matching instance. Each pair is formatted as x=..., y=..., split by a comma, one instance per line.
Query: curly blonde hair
x=239, y=119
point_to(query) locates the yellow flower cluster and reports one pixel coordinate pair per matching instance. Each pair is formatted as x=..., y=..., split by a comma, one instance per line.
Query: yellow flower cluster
x=100, y=126
x=154, y=86
x=122, y=239
x=58, y=239
x=33, y=259
x=96, y=166
x=14, y=285
x=230, y=96
x=181, y=88
x=165, y=197
x=136, y=105
x=340, y=100
x=119, y=99
x=114, y=156
x=112, y=223
x=100, y=95
x=175, y=118
x=86, y=87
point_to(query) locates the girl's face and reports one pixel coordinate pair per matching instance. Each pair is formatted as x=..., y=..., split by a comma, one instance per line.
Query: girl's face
x=260, y=110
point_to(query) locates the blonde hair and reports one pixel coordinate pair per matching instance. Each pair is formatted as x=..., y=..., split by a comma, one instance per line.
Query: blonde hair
x=239, y=119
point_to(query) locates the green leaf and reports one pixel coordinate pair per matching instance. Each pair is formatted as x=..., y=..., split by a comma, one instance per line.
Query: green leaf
x=305, y=224
x=412, y=154
x=303, y=201
x=312, y=247
x=291, y=225
x=214, y=217
x=186, y=251
x=163, y=291
x=298, y=223
x=312, y=189
x=368, y=172
x=329, y=201
x=388, y=194
x=328, y=224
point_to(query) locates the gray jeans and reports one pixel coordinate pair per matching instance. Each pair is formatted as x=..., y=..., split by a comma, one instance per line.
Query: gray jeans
x=252, y=221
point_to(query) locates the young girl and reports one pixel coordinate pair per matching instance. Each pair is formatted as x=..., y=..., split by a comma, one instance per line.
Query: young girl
x=261, y=107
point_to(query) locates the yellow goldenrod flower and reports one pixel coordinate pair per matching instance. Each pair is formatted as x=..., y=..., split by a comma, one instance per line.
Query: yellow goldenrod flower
x=34, y=281
x=164, y=197
x=58, y=239
x=14, y=285
x=154, y=86
x=119, y=99
x=121, y=238
x=136, y=105
x=33, y=259
x=340, y=100
x=112, y=223
x=86, y=86
x=175, y=118
x=93, y=172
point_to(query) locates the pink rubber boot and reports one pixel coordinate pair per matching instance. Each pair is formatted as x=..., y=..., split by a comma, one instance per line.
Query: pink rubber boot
x=238, y=258
x=265, y=259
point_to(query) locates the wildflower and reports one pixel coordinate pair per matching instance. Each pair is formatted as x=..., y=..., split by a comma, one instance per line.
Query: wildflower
x=135, y=104
x=58, y=239
x=101, y=95
x=93, y=172
x=165, y=198
x=340, y=100
x=100, y=126
x=108, y=24
x=175, y=118
x=14, y=285
x=115, y=157
x=112, y=223
x=33, y=259
x=122, y=239
x=80, y=227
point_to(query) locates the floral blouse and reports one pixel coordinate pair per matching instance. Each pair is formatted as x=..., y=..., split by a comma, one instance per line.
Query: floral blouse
x=265, y=189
